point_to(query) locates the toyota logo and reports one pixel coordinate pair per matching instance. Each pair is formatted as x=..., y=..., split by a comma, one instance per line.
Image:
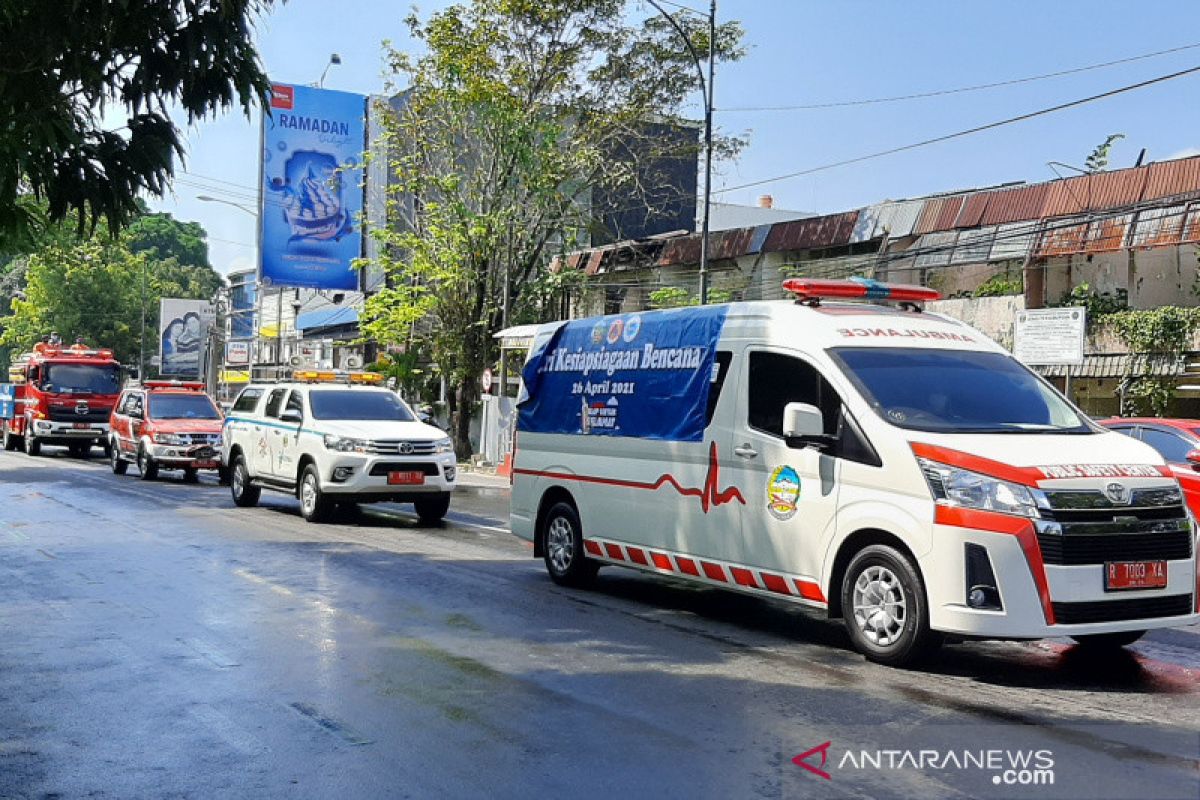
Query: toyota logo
x=1118, y=493
x=81, y=407
x=406, y=448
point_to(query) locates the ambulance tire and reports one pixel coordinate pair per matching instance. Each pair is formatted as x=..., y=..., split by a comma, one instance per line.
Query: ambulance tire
x=431, y=510
x=562, y=547
x=245, y=494
x=32, y=446
x=146, y=465
x=315, y=505
x=896, y=633
x=119, y=465
x=1108, y=641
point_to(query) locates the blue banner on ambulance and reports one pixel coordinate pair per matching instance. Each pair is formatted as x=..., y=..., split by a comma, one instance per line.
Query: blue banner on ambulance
x=639, y=375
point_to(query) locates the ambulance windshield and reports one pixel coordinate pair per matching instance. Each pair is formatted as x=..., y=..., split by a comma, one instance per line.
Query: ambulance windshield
x=957, y=391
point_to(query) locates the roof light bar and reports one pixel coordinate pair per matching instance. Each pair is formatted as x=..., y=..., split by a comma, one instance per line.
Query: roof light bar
x=858, y=288
x=337, y=376
x=174, y=384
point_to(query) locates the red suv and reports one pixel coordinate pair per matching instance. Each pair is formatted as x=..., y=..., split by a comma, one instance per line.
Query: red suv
x=1176, y=440
x=166, y=425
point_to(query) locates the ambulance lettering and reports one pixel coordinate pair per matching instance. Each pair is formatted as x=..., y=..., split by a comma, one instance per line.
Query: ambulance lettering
x=1059, y=471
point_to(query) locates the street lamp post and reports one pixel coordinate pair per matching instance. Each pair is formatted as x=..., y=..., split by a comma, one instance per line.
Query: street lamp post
x=706, y=86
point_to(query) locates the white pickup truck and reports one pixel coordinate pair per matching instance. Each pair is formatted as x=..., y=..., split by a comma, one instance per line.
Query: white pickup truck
x=333, y=443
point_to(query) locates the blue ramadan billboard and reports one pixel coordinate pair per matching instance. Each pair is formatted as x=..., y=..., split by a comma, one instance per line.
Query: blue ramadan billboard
x=312, y=187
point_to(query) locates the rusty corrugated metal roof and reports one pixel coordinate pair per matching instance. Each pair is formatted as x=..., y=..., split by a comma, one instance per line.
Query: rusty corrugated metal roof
x=939, y=214
x=1102, y=190
x=971, y=215
x=1015, y=205
x=811, y=233
x=1171, y=178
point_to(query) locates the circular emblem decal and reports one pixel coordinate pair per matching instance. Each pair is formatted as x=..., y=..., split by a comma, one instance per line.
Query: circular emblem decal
x=783, y=491
x=614, y=331
x=633, y=327
x=1118, y=493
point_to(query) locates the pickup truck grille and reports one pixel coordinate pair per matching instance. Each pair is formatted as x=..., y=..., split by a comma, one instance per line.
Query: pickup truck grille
x=400, y=447
x=212, y=439
x=1086, y=528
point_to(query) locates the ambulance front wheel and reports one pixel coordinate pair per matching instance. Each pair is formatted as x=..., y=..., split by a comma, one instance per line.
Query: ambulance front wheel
x=563, y=547
x=884, y=605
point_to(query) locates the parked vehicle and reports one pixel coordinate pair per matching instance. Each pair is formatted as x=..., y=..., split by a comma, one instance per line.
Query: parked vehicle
x=59, y=396
x=336, y=439
x=1176, y=440
x=890, y=467
x=165, y=425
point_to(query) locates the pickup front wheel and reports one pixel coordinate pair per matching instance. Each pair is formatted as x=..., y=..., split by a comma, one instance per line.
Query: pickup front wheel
x=314, y=505
x=432, y=509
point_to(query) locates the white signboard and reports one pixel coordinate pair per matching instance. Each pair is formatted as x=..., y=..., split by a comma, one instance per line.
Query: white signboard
x=1045, y=336
x=237, y=352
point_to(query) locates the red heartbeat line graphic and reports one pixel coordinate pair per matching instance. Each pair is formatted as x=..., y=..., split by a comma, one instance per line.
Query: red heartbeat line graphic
x=823, y=749
x=709, y=494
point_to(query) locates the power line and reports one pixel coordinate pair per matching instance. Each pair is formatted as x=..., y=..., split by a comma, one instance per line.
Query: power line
x=967, y=132
x=962, y=89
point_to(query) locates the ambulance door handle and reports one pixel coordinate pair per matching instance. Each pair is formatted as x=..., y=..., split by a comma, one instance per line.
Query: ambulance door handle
x=745, y=451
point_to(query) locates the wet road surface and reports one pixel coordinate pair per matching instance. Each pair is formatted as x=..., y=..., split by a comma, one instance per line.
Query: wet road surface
x=159, y=642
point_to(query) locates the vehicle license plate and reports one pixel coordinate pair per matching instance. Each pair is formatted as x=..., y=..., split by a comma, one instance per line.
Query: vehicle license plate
x=410, y=478
x=81, y=426
x=1119, y=575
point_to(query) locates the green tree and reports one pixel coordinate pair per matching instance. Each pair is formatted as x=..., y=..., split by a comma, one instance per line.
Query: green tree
x=69, y=69
x=515, y=108
x=161, y=236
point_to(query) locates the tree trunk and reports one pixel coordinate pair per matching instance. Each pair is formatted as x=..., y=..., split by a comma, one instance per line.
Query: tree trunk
x=466, y=395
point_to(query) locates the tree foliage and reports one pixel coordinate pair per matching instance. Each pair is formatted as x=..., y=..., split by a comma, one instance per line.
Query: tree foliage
x=84, y=93
x=514, y=112
x=1097, y=160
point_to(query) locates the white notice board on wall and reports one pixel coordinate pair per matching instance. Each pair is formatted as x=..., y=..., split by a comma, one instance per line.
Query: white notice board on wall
x=1045, y=336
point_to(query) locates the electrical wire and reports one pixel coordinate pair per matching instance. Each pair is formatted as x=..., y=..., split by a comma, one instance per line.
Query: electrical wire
x=959, y=134
x=962, y=89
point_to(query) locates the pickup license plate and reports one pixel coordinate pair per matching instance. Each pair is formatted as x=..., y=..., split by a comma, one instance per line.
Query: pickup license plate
x=81, y=426
x=1121, y=575
x=409, y=478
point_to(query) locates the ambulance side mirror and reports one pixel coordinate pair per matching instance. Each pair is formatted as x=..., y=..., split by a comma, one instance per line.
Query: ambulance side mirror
x=1193, y=458
x=804, y=426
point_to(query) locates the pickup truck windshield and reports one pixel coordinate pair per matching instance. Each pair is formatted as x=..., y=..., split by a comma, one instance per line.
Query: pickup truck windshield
x=957, y=391
x=182, y=406
x=352, y=404
x=82, y=379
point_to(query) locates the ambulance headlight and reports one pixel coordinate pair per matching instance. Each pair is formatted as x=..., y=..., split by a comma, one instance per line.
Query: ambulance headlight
x=345, y=444
x=443, y=446
x=965, y=489
x=169, y=438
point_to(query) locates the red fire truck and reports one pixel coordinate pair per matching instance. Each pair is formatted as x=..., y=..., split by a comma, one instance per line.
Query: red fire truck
x=59, y=396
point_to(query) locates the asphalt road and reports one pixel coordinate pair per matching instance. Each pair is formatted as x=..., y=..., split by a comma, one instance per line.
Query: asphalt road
x=159, y=642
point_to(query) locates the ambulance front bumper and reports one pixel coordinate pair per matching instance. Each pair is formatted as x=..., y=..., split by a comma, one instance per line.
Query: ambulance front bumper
x=1041, y=600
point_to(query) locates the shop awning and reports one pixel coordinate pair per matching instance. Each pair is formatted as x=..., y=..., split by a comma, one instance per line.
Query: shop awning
x=1116, y=365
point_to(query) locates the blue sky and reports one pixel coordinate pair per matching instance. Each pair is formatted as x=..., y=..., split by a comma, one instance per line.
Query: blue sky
x=805, y=52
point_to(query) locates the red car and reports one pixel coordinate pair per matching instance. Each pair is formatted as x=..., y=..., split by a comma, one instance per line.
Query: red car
x=166, y=425
x=1176, y=440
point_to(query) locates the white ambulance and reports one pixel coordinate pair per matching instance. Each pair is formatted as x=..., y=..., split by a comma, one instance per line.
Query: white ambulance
x=890, y=467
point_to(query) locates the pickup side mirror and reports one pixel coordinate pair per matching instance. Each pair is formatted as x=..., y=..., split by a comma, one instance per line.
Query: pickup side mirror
x=291, y=415
x=1193, y=458
x=804, y=426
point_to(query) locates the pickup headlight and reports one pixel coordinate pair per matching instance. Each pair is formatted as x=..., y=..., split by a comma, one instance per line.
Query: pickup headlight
x=959, y=487
x=169, y=438
x=443, y=446
x=345, y=444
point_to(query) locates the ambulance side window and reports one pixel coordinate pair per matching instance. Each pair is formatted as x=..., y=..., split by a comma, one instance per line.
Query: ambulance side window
x=275, y=402
x=721, y=363
x=776, y=380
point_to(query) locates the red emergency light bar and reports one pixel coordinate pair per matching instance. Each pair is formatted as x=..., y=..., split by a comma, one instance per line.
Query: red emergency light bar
x=195, y=386
x=858, y=288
